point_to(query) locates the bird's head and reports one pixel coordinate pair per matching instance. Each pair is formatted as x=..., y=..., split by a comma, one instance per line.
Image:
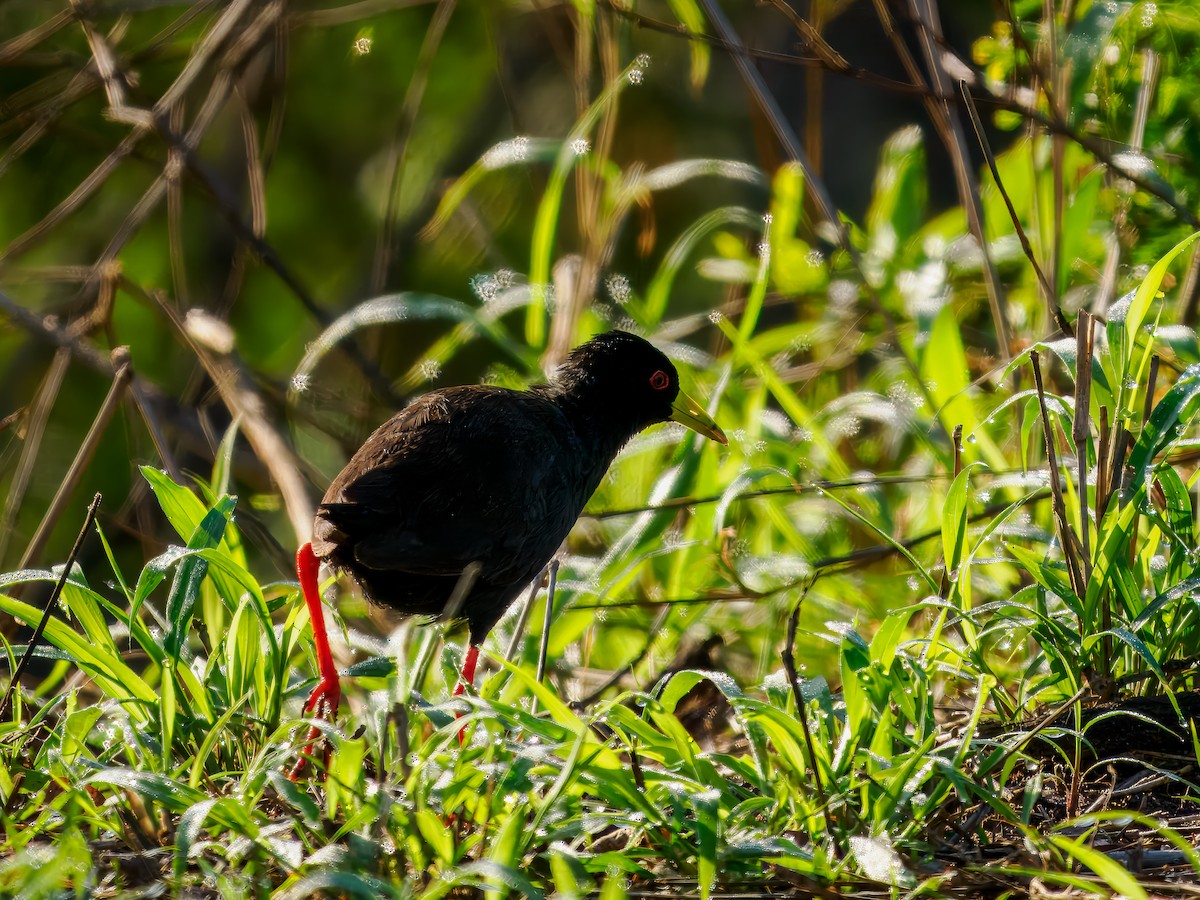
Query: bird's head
x=620, y=377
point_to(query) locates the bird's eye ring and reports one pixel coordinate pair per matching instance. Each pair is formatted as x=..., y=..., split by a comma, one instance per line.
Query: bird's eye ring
x=660, y=380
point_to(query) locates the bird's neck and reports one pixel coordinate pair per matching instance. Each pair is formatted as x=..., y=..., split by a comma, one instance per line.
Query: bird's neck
x=602, y=429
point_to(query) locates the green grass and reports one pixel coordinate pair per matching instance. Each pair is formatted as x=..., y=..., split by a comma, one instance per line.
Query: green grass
x=862, y=646
x=174, y=727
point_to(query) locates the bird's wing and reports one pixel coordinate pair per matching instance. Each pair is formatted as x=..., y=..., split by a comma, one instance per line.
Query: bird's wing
x=452, y=479
x=399, y=549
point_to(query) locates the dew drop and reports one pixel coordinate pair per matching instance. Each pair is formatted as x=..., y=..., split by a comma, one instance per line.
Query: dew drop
x=618, y=288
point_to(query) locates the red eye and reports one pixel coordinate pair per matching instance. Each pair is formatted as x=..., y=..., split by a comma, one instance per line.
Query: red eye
x=660, y=380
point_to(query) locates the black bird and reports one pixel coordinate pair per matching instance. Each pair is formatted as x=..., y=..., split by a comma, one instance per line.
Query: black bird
x=483, y=475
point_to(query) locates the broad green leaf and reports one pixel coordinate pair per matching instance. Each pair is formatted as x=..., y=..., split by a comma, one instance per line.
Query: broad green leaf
x=1148, y=290
x=1050, y=576
x=436, y=835
x=571, y=879
x=898, y=199
x=506, y=846
x=1187, y=588
x=185, y=590
x=1112, y=553
x=1167, y=422
x=945, y=372
x=174, y=795
x=166, y=713
x=954, y=520
x=115, y=678
x=708, y=828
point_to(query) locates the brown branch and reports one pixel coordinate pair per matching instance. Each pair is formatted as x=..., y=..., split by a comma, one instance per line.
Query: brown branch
x=39, y=415
x=212, y=341
x=148, y=397
x=122, y=375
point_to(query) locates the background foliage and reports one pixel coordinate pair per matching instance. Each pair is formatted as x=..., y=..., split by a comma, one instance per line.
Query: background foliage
x=858, y=228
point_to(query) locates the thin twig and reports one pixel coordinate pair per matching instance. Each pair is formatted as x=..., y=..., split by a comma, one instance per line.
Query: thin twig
x=1060, y=507
x=944, y=586
x=615, y=677
x=544, y=648
x=1009, y=102
x=789, y=665
x=148, y=397
x=829, y=220
x=1048, y=292
x=823, y=55
x=124, y=372
x=50, y=604
x=1151, y=386
x=1103, y=451
x=778, y=121
x=212, y=342
x=813, y=487
x=523, y=619
x=39, y=415
x=945, y=118
x=1189, y=294
x=462, y=587
x=397, y=151
x=821, y=567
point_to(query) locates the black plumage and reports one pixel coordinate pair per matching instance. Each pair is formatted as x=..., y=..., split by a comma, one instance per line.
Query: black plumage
x=486, y=475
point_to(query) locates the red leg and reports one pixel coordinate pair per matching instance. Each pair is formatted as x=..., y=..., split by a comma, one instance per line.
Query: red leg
x=468, y=670
x=323, y=701
x=467, y=677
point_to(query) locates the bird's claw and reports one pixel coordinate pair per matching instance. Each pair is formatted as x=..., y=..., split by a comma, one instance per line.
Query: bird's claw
x=322, y=703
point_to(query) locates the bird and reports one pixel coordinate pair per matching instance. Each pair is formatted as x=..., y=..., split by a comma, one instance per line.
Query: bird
x=486, y=480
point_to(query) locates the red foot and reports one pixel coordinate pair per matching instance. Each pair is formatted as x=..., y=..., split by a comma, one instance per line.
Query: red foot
x=322, y=704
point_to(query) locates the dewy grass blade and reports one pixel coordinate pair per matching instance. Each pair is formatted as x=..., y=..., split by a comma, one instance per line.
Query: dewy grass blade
x=1111, y=872
x=1148, y=290
x=659, y=291
x=1167, y=421
x=167, y=710
x=112, y=562
x=791, y=177
x=115, y=678
x=506, y=154
x=185, y=590
x=887, y=538
x=41, y=622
